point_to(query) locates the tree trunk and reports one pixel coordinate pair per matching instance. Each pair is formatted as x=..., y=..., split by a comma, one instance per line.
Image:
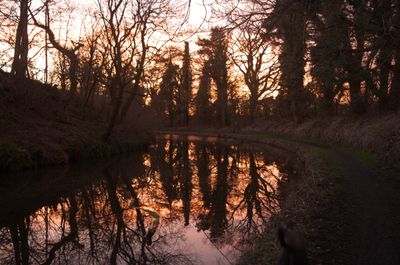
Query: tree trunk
x=394, y=94
x=357, y=103
x=69, y=53
x=253, y=106
x=20, y=63
x=384, y=63
x=114, y=115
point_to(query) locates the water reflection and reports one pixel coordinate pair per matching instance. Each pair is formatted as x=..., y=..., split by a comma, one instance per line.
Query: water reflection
x=213, y=200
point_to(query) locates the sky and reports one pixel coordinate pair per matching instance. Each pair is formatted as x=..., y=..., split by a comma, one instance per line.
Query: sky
x=198, y=12
x=198, y=9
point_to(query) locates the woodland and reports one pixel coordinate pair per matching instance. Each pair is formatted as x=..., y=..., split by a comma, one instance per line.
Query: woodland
x=248, y=61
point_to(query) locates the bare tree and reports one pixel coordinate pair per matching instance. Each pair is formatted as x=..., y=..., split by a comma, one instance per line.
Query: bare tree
x=120, y=33
x=257, y=63
x=129, y=27
x=70, y=53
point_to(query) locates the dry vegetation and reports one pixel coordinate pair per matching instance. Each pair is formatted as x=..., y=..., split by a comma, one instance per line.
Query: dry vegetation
x=378, y=136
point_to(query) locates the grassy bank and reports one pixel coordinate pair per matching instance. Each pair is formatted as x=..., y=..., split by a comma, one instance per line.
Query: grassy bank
x=41, y=126
x=377, y=135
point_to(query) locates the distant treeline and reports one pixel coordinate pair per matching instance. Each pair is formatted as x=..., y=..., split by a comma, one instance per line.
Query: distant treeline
x=268, y=59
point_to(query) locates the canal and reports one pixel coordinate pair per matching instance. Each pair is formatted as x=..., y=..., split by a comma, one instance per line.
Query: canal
x=185, y=200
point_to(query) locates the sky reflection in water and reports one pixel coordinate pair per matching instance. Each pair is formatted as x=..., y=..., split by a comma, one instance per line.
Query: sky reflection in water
x=212, y=199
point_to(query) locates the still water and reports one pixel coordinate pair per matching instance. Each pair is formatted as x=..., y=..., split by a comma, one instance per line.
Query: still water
x=183, y=201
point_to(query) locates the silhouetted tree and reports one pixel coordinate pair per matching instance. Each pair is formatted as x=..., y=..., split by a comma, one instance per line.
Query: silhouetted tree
x=186, y=85
x=215, y=48
x=203, y=97
x=328, y=54
x=70, y=53
x=169, y=91
x=127, y=29
x=92, y=66
x=20, y=62
x=289, y=19
x=257, y=64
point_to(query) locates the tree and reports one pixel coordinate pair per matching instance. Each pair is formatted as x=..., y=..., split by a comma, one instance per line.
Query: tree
x=257, y=64
x=290, y=22
x=168, y=91
x=215, y=48
x=383, y=36
x=92, y=65
x=203, y=97
x=353, y=64
x=394, y=94
x=328, y=54
x=129, y=27
x=20, y=62
x=70, y=53
x=186, y=85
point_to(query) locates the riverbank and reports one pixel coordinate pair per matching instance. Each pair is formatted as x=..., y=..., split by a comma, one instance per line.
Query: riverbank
x=378, y=135
x=41, y=126
x=345, y=205
x=342, y=197
x=316, y=201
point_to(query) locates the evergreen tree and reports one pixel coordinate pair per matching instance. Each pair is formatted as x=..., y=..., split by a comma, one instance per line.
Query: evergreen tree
x=203, y=98
x=215, y=49
x=327, y=54
x=168, y=91
x=290, y=22
x=186, y=85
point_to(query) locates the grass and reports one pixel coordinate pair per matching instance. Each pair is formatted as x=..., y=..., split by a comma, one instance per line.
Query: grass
x=368, y=159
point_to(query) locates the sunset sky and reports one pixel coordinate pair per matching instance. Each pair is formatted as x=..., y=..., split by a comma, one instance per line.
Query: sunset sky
x=80, y=21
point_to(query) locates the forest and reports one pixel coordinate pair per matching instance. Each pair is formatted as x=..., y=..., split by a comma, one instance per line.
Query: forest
x=247, y=61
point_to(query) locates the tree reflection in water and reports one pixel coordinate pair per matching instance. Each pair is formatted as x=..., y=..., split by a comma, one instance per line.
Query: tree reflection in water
x=219, y=191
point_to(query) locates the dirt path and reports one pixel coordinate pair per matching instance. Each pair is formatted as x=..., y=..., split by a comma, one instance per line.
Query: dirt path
x=373, y=214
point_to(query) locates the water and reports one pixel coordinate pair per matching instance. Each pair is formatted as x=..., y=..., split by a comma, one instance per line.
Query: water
x=204, y=201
